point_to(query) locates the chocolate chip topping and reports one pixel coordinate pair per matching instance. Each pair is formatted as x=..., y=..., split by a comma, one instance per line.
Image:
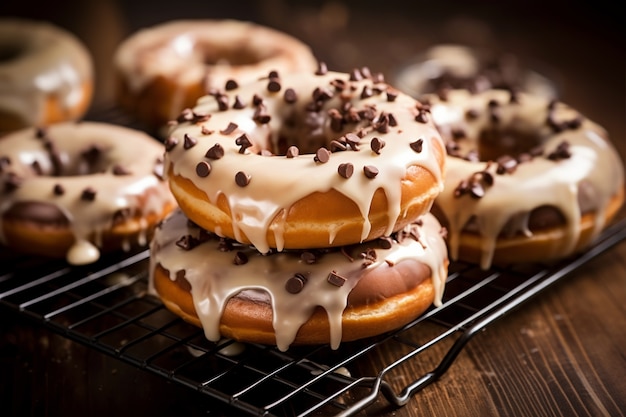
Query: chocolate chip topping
x=345, y=170
x=417, y=145
x=92, y=154
x=308, y=257
x=58, y=190
x=295, y=284
x=242, y=179
x=336, y=280
x=229, y=129
x=369, y=256
x=215, y=152
x=231, y=85
x=290, y=96
x=206, y=131
x=322, y=69
x=370, y=171
x=188, y=115
x=422, y=117
x=385, y=242
x=189, y=142
x=243, y=142
x=170, y=143
x=12, y=182
x=506, y=165
x=562, y=151
x=322, y=155
x=240, y=258
x=377, y=145
x=187, y=242
x=203, y=169
x=238, y=104
x=222, y=101
x=88, y=194
x=475, y=185
x=120, y=170
x=392, y=95
x=292, y=151
x=274, y=85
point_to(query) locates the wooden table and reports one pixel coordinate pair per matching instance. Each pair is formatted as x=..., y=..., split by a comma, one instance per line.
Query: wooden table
x=561, y=354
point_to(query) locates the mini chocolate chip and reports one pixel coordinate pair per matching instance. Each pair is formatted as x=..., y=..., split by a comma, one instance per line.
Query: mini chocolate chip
x=369, y=256
x=336, y=280
x=472, y=114
x=352, y=139
x=355, y=75
x=41, y=132
x=417, y=145
x=215, y=152
x=274, y=86
x=345, y=170
x=366, y=92
x=337, y=146
x=322, y=69
x=240, y=258
x=203, y=169
x=242, y=179
x=421, y=117
x=376, y=145
x=292, y=152
x=36, y=167
x=272, y=74
x=308, y=257
x=370, y=171
x=393, y=122
x=238, y=104
x=12, y=182
x=206, y=131
x=260, y=115
x=92, y=154
x=189, y=142
x=231, y=85
x=58, y=190
x=120, y=170
x=225, y=245
x=187, y=242
x=295, y=284
x=229, y=129
x=244, y=142
x=322, y=155
x=222, y=102
x=88, y=194
x=170, y=143
x=506, y=165
x=392, y=95
x=257, y=100
x=385, y=242
x=290, y=96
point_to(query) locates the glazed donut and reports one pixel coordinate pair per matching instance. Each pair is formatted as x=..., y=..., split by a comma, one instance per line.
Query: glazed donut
x=297, y=297
x=46, y=75
x=166, y=68
x=528, y=179
x=305, y=160
x=74, y=189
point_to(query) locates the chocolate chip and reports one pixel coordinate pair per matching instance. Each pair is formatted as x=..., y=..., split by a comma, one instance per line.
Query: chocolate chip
x=58, y=190
x=187, y=242
x=421, y=117
x=206, y=131
x=88, y=194
x=12, y=182
x=120, y=170
x=238, y=104
x=121, y=215
x=355, y=75
x=322, y=69
x=377, y=145
x=417, y=145
x=170, y=143
x=322, y=155
x=36, y=167
x=244, y=142
x=188, y=115
x=225, y=245
x=273, y=74
x=92, y=154
x=472, y=114
x=369, y=256
x=189, y=142
x=393, y=122
x=240, y=258
x=370, y=171
x=562, y=151
x=273, y=86
x=242, y=179
x=308, y=257
x=345, y=170
x=222, y=102
x=257, y=100
x=295, y=284
x=506, y=165
x=229, y=129
x=260, y=115
x=215, y=152
x=335, y=279
x=385, y=242
x=337, y=146
x=231, y=85
x=392, y=95
x=290, y=96
x=203, y=169
x=292, y=152
x=366, y=92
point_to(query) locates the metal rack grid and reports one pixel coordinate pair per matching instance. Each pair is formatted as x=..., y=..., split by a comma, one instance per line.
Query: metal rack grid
x=106, y=306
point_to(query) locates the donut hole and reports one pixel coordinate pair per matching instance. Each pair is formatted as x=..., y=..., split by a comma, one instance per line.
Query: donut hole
x=42, y=214
x=496, y=142
x=240, y=56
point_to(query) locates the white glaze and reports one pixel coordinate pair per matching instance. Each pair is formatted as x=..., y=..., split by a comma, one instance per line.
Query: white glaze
x=214, y=279
x=594, y=166
x=141, y=192
x=277, y=182
x=49, y=62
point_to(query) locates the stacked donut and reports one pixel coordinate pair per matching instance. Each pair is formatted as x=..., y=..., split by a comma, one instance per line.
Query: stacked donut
x=304, y=210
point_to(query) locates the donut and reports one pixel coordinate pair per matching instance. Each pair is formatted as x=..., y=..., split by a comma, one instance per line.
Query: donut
x=528, y=179
x=164, y=69
x=297, y=297
x=453, y=66
x=301, y=160
x=75, y=189
x=46, y=75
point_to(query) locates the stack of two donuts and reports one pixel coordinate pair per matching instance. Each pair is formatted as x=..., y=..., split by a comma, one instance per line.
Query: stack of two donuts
x=304, y=211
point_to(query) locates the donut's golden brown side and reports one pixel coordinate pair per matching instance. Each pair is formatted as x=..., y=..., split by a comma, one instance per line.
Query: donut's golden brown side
x=39, y=50
x=164, y=69
x=251, y=321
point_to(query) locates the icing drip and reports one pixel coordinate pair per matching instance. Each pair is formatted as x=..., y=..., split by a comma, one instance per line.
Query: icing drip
x=252, y=207
x=592, y=165
x=214, y=279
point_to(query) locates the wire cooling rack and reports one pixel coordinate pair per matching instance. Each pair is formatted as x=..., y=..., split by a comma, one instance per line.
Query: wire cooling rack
x=106, y=306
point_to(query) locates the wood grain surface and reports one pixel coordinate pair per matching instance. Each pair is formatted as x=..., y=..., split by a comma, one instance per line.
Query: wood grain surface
x=561, y=354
